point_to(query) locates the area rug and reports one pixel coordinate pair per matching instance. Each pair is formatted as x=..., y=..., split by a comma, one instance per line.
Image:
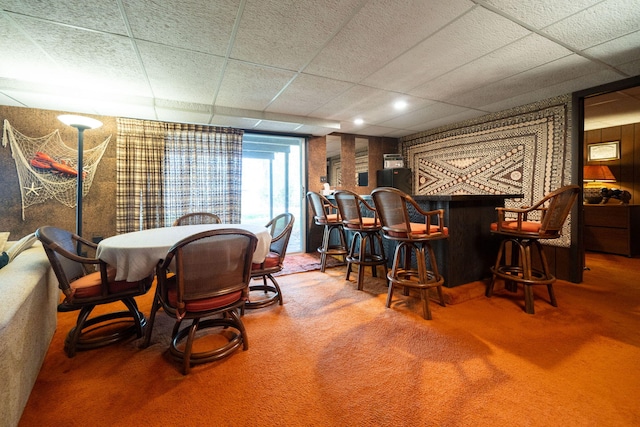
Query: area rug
x=298, y=263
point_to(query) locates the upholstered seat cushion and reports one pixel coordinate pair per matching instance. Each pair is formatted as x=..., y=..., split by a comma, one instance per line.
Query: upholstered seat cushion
x=527, y=226
x=367, y=222
x=272, y=260
x=90, y=285
x=330, y=219
x=203, y=304
x=417, y=229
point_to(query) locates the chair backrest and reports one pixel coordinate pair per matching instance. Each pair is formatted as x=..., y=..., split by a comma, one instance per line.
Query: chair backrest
x=280, y=229
x=351, y=207
x=558, y=205
x=209, y=264
x=393, y=210
x=60, y=247
x=198, y=218
x=321, y=207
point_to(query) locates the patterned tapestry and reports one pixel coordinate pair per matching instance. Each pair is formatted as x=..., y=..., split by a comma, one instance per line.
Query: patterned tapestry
x=527, y=152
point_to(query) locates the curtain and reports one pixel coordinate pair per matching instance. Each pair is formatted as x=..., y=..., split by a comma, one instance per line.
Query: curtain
x=139, y=175
x=203, y=171
x=165, y=170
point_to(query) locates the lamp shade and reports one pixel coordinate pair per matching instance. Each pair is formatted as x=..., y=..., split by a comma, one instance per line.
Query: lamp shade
x=598, y=173
x=79, y=121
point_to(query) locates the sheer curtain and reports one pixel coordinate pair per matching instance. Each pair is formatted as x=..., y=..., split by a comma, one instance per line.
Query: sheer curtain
x=165, y=170
x=203, y=171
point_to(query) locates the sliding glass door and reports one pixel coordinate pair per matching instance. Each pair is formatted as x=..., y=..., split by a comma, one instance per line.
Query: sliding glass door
x=272, y=171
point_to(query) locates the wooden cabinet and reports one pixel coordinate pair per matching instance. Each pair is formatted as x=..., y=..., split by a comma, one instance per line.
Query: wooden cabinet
x=612, y=228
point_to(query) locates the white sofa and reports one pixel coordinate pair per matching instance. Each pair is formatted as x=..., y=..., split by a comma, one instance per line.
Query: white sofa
x=29, y=297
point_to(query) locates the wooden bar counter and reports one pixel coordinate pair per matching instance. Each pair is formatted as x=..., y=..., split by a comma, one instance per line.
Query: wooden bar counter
x=471, y=248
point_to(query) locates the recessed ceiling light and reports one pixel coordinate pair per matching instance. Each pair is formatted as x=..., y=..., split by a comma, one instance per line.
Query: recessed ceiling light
x=358, y=121
x=400, y=105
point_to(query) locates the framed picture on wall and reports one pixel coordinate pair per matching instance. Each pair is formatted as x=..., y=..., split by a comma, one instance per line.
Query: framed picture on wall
x=603, y=151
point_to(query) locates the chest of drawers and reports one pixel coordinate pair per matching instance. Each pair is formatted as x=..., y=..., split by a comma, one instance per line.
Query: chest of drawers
x=612, y=228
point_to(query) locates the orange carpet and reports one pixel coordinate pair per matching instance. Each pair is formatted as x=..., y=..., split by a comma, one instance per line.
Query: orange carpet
x=334, y=356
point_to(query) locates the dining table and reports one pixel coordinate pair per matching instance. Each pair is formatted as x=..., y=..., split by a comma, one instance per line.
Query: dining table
x=135, y=255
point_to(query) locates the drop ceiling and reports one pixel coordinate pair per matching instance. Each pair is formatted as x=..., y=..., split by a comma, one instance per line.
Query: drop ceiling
x=310, y=66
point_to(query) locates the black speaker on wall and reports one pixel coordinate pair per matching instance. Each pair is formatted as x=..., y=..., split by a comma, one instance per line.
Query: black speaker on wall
x=399, y=178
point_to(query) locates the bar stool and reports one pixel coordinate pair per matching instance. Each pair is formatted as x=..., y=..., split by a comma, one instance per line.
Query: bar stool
x=411, y=238
x=524, y=235
x=366, y=249
x=326, y=215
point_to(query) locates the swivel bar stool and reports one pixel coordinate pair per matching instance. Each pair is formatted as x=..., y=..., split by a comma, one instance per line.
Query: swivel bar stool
x=412, y=238
x=524, y=234
x=325, y=214
x=366, y=249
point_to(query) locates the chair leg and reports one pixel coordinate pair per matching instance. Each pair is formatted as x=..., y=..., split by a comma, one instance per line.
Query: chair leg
x=489, y=292
x=324, y=248
x=424, y=294
x=188, y=347
x=71, y=342
x=152, y=317
x=528, y=299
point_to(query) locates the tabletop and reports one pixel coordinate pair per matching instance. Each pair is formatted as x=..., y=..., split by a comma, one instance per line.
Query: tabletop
x=136, y=254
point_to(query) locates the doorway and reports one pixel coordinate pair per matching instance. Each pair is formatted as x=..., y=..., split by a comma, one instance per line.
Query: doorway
x=272, y=171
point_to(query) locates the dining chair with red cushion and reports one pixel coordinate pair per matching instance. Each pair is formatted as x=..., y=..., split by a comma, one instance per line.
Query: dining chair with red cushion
x=86, y=283
x=412, y=238
x=521, y=230
x=280, y=229
x=197, y=218
x=205, y=275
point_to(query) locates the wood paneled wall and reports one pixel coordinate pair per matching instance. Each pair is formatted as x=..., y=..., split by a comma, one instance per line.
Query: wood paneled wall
x=627, y=168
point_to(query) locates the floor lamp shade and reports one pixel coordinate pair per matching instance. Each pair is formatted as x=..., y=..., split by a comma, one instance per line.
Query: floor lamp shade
x=81, y=123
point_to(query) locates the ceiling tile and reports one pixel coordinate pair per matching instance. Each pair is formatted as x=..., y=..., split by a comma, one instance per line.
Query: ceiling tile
x=307, y=93
x=87, y=59
x=416, y=119
x=288, y=34
x=101, y=15
x=601, y=23
x=552, y=73
x=540, y=13
x=199, y=25
x=471, y=36
x=181, y=75
x=381, y=31
x=618, y=51
x=368, y=103
x=495, y=66
x=250, y=86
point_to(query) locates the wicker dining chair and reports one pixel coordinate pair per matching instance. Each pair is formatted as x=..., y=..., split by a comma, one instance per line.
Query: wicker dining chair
x=198, y=218
x=280, y=228
x=205, y=275
x=87, y=283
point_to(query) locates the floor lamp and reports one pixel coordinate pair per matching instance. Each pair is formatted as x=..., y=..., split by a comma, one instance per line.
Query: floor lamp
x=81, y=123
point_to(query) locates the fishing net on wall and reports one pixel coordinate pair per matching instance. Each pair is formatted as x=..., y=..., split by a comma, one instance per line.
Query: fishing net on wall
x=47, y=167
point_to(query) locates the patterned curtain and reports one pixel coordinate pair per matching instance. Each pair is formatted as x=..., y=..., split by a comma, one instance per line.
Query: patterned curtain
x=139, y=175
x=165, y=170
x=203, y=171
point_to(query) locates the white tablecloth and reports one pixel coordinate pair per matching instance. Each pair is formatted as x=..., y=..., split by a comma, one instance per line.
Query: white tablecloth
x=135, y=255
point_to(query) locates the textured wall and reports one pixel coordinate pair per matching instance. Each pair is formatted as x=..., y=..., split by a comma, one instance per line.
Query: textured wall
x=99, y=204
x=525, y=150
